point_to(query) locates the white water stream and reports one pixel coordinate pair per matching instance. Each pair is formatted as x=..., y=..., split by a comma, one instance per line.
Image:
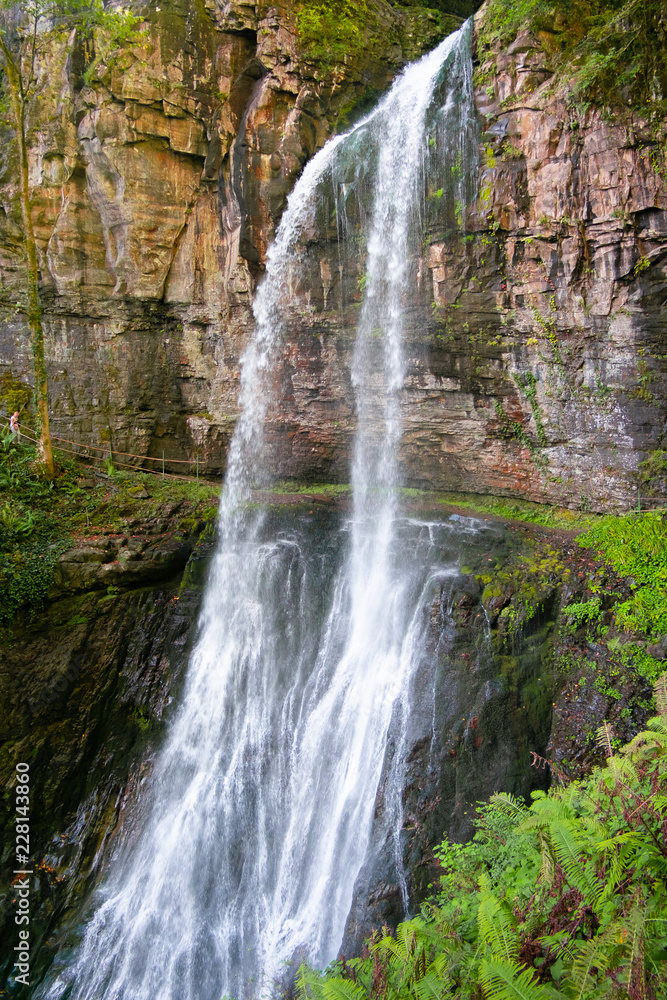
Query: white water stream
x=259, y=814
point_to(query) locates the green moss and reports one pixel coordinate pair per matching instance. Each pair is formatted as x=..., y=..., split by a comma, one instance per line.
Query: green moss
x=609, y=51
x=653, y=473
x=14, y=395
x=520, y=510
x=635, y=546
x=330, y=32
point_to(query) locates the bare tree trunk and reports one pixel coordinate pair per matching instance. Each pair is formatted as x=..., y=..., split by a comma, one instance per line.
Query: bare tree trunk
x=34, y=304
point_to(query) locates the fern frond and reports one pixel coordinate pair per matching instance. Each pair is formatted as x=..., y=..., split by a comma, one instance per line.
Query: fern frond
x=507, y=981
x=603, y=739
x=548, y=865
x=305, y=984
x=569, y=853
x=510, y=801
x=405, y=951
x=618, y=866
x=496, y=925
x=543, y=813
x=622, y=769
x=657, y=727
x=653, y=738
x=342, y=989
x=432, y=987
x=593, y=954
x=661, y=695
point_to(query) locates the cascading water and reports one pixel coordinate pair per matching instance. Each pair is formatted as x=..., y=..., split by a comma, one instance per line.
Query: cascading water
x=259, y=814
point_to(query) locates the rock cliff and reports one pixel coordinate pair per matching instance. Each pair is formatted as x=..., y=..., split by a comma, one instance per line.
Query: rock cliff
x=157, y=184
x=536, y=348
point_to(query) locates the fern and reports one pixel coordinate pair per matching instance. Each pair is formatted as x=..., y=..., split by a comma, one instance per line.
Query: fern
x=548, y=866
x=568, y=852
x=591, y=956
x=525, y=887
x=510, y=801
x=432, y=987
x=604, y=738
x=497, y=926
x=342, y=989
x=304, y=985
x=507, y=981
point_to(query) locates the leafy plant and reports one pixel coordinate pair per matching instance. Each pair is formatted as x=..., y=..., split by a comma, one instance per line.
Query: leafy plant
x=14, y=524
x=582, y=613
x=562, y=900
x=635, y=546
x=610, y=51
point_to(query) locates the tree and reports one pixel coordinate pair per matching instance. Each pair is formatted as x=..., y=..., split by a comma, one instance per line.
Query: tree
x=24, y=35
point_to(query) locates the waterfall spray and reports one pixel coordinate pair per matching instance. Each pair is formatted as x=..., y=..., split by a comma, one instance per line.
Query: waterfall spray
x=259, y=813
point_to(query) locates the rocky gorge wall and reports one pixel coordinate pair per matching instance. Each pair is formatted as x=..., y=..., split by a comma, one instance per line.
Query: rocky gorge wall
x=84, y=690
x=536, y=353
x=536, y=349
x=157, y=184
x=86, y=687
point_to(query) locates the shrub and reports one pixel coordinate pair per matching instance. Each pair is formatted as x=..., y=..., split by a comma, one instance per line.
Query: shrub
x=563, y=899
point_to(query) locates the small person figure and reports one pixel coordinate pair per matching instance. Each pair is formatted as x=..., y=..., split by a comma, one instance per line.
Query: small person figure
x=14, y=424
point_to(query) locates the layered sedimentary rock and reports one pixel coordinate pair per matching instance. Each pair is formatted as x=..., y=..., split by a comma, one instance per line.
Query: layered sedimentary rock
x=536, y=346
x=158, y=181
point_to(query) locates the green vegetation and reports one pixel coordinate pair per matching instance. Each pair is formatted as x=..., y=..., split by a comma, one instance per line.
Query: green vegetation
x=562, y=900
x=339, y=31
x=29, y=540
x=331, y=31
x=513, y=430
x=40, y=517
x=519, y=510
x=528, y=384
x=636, y=546
x=611, y=51
x=653, y=473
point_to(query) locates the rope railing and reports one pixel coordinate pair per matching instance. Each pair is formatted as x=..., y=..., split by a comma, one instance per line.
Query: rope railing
x=112, y=453
x=171, y=461
x=124, y=465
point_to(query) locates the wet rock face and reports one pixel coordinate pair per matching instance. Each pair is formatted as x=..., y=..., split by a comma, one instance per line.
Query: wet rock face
x=535, y=345
x=481, y=701
x=535, y=351
x=83, y=693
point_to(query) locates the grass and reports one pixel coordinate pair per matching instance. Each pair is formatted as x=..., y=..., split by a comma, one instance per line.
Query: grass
x=520, y=510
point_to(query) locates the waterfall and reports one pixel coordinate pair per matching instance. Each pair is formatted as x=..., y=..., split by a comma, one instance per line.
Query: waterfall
x=260, y=811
